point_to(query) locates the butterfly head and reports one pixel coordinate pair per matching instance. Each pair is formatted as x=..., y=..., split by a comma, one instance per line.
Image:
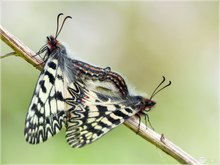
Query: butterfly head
x=147, y=104
x=52, y=44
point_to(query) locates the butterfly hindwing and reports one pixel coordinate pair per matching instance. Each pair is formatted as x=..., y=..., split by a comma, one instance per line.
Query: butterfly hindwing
x=46, y=114
x=94, y=115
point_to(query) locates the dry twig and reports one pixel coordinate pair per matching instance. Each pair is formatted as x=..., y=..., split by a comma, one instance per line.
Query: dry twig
x=133, y=123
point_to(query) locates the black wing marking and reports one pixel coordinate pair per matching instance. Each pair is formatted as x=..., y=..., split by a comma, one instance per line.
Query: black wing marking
x=46, y=114
x=95, y=114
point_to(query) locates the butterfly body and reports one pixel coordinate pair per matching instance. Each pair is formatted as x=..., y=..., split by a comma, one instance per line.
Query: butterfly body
x=101, y=74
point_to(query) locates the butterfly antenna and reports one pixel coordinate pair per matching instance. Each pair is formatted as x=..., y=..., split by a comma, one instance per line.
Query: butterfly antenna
x=57, y=34
x=58, y=20
x=158, y=90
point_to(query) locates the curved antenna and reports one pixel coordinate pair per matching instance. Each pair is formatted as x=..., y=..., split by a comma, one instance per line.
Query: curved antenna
x=157, y=87
x=58, y=17
x=57, y=34
x=158, y=90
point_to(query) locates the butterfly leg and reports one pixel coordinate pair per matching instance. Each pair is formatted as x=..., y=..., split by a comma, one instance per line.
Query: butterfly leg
x=139, y=122
x=147, y=120
x=44, y=59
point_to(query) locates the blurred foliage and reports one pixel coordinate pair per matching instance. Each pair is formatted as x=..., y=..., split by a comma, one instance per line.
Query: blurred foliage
x=140, y=40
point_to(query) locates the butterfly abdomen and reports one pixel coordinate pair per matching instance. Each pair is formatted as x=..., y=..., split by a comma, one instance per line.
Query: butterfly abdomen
x=101, y=74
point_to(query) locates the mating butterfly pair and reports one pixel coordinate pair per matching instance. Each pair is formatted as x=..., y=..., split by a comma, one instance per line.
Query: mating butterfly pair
x=88, y=101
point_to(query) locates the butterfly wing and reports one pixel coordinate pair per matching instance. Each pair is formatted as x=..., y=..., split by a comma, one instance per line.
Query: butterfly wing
x=46, y=114
x=95, y=114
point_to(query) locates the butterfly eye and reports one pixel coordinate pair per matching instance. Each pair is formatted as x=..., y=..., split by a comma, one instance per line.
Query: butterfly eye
x=148, y=103
x=53, y=42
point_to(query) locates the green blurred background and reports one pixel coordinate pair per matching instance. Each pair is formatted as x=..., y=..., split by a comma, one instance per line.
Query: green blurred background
x=140, y=40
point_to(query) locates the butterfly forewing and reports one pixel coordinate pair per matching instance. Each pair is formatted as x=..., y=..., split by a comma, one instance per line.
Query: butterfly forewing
x=46, y=114
x=95, y=114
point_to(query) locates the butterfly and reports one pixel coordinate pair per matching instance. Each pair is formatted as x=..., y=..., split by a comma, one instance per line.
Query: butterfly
x=88, y=101
x=47, y=111
x=93, y=113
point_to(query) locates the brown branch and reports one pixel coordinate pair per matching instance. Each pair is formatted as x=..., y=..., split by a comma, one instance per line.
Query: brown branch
x=133, y=123
x=20, y=49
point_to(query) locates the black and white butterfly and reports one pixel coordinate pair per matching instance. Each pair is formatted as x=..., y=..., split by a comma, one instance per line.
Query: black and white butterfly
x=48, y=109
x=88, y=101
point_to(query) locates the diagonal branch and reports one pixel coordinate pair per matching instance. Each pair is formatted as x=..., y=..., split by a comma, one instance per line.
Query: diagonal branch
x=133, y=123
x=20, y=49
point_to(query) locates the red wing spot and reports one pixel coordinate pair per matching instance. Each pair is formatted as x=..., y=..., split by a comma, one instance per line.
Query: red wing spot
x=69, y=116
x=86, y=97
